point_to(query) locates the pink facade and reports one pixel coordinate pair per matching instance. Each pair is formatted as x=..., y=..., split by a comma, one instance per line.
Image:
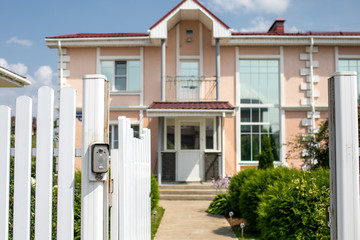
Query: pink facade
x=265, y=77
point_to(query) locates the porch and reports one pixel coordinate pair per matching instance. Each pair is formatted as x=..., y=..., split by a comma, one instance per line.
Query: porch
x=191, y=140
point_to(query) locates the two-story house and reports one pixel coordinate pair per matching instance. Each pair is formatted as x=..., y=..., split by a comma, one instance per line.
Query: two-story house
x=207, y=93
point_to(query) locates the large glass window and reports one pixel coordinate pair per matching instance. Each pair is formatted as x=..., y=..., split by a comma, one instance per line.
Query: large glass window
x=170, y=134
x=260, y=113
x=123, y=75
x=352, y=65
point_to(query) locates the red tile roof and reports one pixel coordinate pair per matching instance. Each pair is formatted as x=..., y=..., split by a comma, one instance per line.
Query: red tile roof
x=100, y=35
x=297, y=34
x=218, y=105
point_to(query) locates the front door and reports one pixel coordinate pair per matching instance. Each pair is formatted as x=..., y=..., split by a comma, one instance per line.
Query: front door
x=190, y=151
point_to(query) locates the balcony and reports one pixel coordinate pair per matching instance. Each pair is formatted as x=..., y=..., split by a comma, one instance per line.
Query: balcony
x=190, y=88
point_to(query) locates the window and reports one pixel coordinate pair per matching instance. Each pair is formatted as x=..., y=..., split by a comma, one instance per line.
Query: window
x=190, y=136
x=189, y=74
x=352, y=65
x=210, y=133
x=114, y=137
x=170, y=134
x=260, y=113
x=123, y=75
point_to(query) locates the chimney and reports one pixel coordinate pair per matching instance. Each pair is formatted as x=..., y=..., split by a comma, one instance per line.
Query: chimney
x=278, y=26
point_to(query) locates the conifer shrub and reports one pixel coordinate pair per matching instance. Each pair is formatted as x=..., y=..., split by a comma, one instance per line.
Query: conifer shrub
x=295, y=209
x=234, y=190
x=155, y=193
x=266, y=156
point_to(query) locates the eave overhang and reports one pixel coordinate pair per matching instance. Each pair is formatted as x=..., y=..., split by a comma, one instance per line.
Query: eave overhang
x=10, y=79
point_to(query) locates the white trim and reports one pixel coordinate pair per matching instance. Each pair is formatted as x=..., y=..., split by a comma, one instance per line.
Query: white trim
x=304, y=108
x=178, y=49
x=257, y=123
x=183, y=57
x=282, y=136
x=237, y=109
x=142, y=62
x=201, y=55
x=100, y=42
x=223, y=155
x=124, y=93
x=185, y=114
x=98, y=61
x=246, y=105
x=255, y=57
x=119, y=58
x=125, y=108
x=345, y=57
x=336, y=50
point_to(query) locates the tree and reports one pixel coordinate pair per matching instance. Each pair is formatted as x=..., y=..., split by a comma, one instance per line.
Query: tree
x=266, y=156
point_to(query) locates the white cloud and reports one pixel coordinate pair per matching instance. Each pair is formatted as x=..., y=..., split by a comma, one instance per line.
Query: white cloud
x=43, y=76
x=294, y=29
x=258, y=24
x=267, y=6
x=22, y=42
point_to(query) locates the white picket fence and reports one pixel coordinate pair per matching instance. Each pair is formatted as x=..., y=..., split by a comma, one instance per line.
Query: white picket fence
x=131, y=213
x=130, y=170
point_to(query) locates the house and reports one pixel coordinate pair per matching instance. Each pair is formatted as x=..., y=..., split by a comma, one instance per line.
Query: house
x=207, y=93
x=9, y=79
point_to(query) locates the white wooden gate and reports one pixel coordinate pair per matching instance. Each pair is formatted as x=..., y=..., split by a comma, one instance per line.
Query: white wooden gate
x=130, y=170
x=131, y=213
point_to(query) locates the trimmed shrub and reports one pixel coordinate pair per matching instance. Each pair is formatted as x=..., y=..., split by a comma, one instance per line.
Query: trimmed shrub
x=254, y=187
x=220, y=205
x=235, y=186
x=155, y=194
x=296, y=209
x=266, y=157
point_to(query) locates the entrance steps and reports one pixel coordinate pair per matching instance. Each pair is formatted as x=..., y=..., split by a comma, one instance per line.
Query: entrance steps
x=187, y=191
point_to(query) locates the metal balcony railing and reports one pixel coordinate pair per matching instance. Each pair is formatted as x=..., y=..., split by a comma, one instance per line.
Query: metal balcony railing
x=190, y=88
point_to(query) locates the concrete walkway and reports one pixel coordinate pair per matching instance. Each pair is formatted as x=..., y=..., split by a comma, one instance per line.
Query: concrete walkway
x=188, y=220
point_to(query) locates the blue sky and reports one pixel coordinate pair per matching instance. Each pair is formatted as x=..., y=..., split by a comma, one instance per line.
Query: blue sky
x=25, y=24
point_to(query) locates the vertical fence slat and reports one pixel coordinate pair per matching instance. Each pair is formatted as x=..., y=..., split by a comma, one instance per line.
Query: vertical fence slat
x=44, y=163
x=114, y=212
x=5, y=126
x=22, y=169
x=66, y=179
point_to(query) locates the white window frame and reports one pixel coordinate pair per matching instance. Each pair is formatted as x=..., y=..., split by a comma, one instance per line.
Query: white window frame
x=251, y=106
x=115, y=59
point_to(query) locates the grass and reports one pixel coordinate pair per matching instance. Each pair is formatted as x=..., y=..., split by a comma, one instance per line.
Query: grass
x=247, y=236
x=159, y=215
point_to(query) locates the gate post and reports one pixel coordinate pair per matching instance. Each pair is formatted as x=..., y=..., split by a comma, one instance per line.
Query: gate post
x=344, y=156
x=93, y=212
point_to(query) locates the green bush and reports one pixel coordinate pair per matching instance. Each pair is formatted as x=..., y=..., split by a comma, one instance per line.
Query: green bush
x=266, y=157
x=254, y=187
x=155, y=194
x=235, y=186
x=296, y=209
x=220, y=205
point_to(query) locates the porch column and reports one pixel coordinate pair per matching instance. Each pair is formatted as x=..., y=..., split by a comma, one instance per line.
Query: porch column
x=163, y=65
x=217, y=70
x=223, y=144
x=160, y=146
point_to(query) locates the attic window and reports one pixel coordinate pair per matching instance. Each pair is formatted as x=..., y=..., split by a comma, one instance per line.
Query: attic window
x=189, y=31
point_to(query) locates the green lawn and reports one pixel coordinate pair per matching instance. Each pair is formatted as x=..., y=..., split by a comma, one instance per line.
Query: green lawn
x=159, y=215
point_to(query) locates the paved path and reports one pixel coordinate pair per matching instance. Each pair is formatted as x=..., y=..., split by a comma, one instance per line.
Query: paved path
x=188, y=220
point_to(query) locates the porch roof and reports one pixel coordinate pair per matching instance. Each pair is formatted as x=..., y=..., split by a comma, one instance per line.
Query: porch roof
x=208, y=108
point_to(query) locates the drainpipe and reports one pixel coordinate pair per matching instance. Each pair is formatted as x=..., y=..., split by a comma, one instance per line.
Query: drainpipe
x=312, y=86
x=217, y=70
x=163, y=59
